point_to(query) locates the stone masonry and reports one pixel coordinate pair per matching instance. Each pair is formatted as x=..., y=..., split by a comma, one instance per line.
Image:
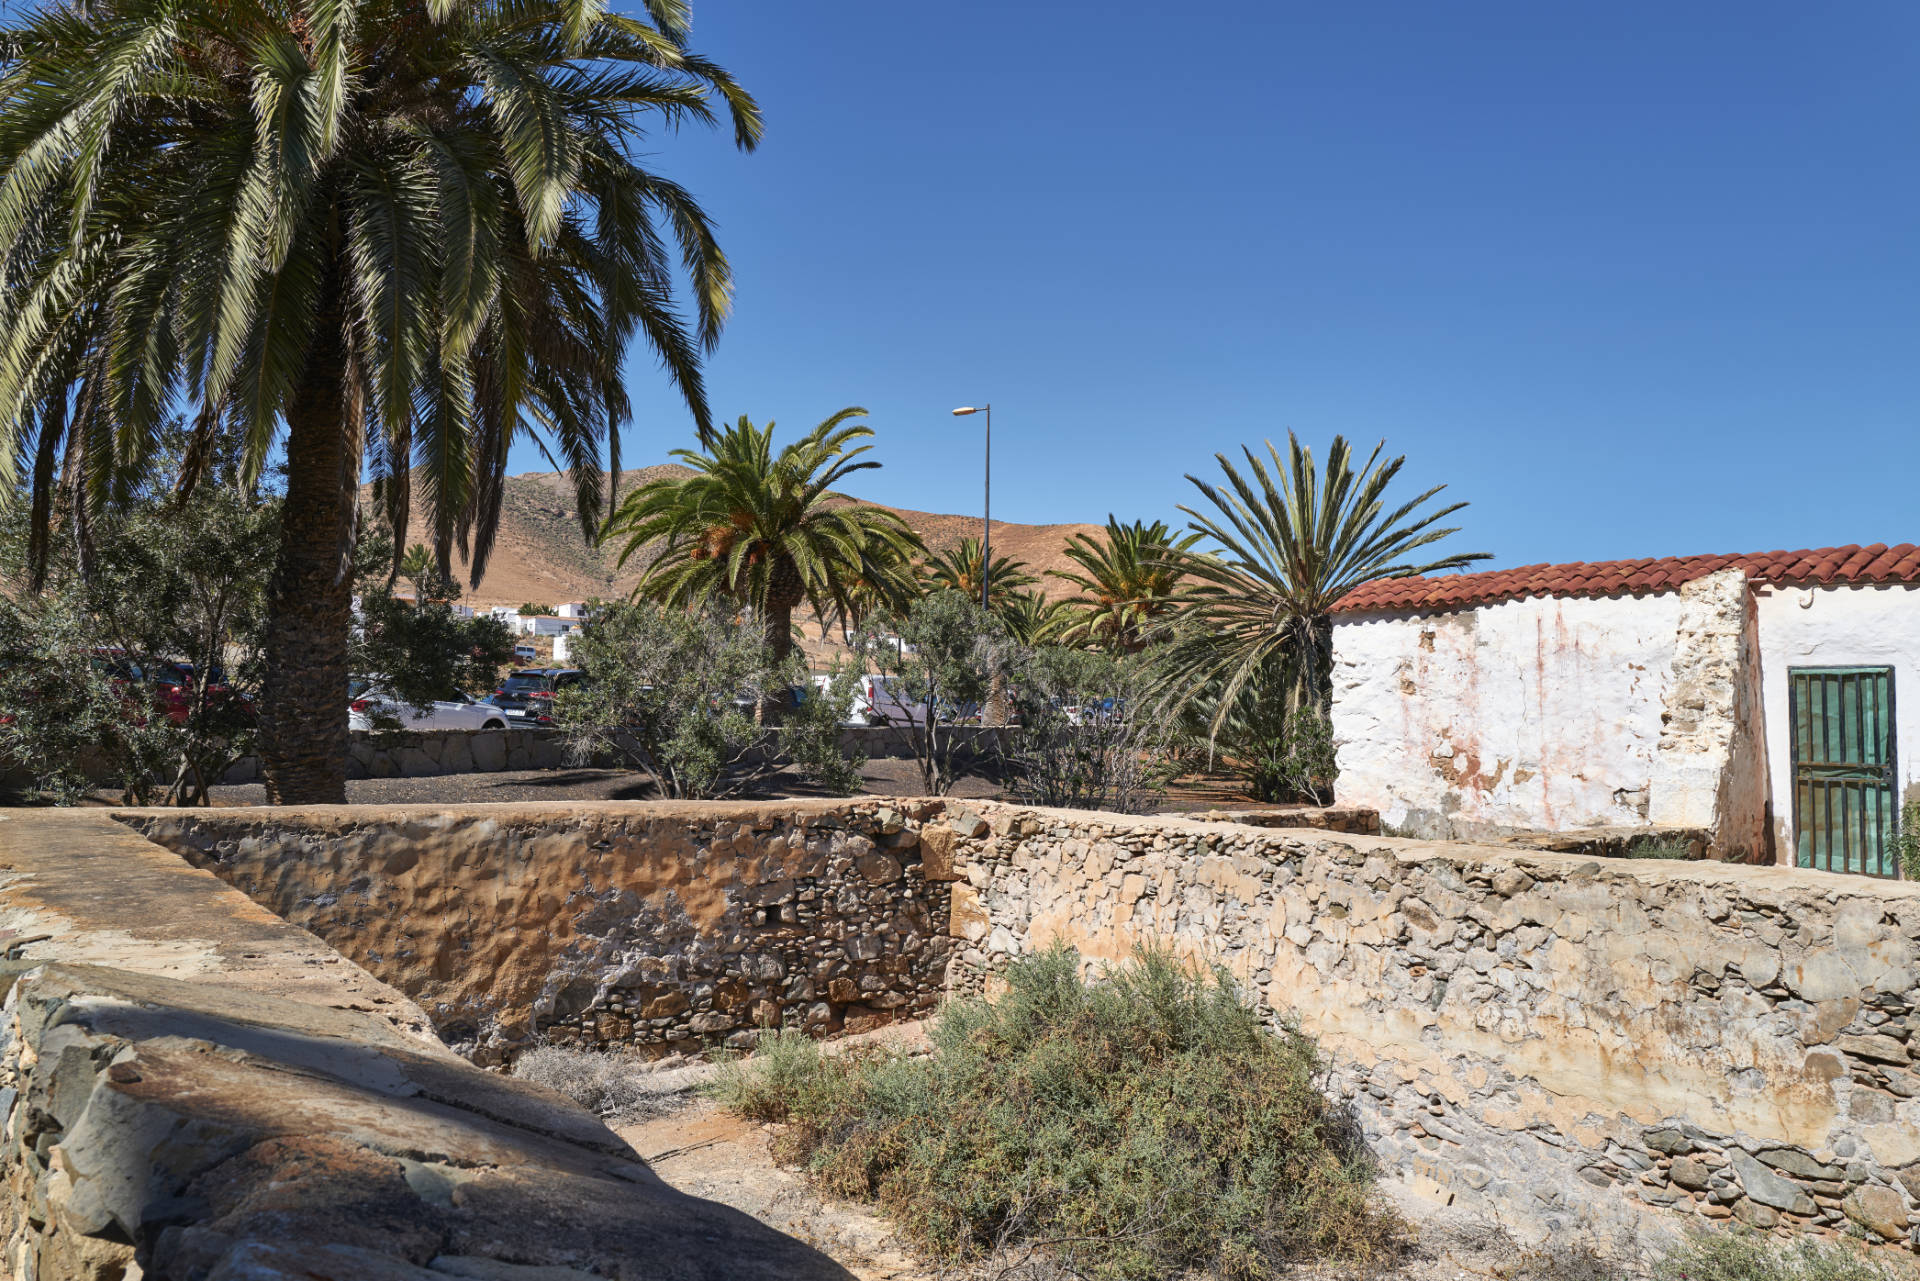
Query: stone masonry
x=1558, y=1042
x=665, y=926
x=1549, y=1040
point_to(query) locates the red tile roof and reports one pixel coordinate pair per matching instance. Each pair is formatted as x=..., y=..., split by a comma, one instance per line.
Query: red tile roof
x=1876, y=564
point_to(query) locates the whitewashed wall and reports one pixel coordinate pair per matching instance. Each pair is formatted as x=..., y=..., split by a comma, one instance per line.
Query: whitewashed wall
x=1836, y=627
x=1523, y=715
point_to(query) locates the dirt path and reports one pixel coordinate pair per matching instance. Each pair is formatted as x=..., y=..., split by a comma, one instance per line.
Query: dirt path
x=706, y=1151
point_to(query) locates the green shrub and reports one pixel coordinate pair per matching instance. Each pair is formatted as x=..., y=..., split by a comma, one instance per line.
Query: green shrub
x=1658, y=848
x=1135, y=1127
x=1740, y=1255
x=1906, y=839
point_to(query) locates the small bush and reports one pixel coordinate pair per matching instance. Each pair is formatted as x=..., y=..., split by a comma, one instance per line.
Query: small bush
x=1136, y=1127
x=1747, y=1256
x=1659, y=849
x=612, y=1086
x=1906, y=839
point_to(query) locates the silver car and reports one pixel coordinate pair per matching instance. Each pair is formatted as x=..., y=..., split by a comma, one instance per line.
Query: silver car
x=374, y=707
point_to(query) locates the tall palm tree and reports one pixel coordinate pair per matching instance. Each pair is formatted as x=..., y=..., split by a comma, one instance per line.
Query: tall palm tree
x=764, y=530
x=380, y=234
x=1292, y=540
x=958, y=568
x=1128, y=584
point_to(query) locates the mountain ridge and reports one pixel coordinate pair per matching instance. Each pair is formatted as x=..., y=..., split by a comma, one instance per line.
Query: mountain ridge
x=540, y=555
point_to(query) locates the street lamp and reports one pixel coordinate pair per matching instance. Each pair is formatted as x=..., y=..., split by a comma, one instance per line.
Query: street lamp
x=986, y=515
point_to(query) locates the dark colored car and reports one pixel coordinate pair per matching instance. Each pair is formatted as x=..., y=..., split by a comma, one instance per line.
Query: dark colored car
x=526, y=696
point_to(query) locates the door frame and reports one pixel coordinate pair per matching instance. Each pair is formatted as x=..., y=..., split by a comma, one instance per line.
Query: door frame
x=1892, y=766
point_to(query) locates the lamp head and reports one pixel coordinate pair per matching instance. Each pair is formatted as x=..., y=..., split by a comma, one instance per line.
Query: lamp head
x=965, y=409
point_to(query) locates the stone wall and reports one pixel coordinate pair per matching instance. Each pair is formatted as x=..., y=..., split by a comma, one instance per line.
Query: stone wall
x=192, y=1088
x=432, y=753
x=664, y=925
x=1709, y=769
x=1549, y=1040
x=1558, y=1042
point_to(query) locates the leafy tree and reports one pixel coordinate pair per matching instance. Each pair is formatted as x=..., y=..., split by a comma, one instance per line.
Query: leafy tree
x=143, y=668
x=810, y=734
x=958, y=569
x=358, y=231
x=531, y=610
x=762, y=530
x=951, y=658
x=1128, y=584
x=1292, y=541
x=1089, y=736
x=424, y=652
x=670, y=692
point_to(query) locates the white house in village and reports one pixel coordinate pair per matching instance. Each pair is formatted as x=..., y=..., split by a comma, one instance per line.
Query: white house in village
x=1750, y=697
x=575, y=610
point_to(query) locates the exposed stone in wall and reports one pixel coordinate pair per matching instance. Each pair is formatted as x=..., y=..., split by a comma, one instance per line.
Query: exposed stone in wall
x=662, y=926
x=1546, y=1039
x=1708, y=770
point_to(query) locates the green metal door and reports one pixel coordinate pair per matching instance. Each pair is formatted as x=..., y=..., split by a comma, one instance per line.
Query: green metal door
x=1843, y=810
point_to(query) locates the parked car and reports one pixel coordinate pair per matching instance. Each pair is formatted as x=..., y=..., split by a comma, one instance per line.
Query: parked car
x=526, y=696
x=524, y=654
x=373, y=706
x=883, y=700
x=173, y=681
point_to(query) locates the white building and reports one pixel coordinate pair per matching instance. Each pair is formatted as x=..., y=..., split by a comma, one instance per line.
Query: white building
x=1748, y=697
x=575, y=610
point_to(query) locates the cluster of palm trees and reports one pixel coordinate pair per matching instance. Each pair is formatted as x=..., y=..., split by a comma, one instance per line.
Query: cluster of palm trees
x=1239, y=604
x=396, y=238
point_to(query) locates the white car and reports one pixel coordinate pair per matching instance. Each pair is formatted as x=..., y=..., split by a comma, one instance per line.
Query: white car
x=372, y=705
x=882, y=700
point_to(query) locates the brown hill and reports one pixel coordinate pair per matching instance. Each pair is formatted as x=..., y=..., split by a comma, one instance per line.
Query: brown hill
x=540, y=555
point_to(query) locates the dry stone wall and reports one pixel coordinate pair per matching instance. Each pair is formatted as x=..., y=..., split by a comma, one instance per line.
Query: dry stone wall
x=665, y=926
x=1555, y=1041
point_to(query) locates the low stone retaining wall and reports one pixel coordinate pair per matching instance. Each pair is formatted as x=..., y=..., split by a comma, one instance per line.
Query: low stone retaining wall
x=1557, y=1042
x=431, y=753
x=1547, y=1039
x=664, y=925
x=192, y=1088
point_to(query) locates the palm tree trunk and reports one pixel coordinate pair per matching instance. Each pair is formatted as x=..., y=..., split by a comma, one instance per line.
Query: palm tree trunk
x=303, y=712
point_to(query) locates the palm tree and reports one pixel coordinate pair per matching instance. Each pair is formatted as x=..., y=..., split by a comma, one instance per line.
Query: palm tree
x=1128, y=585
x=1292, y=541
x=379, y=234
x=417, y=567
x=958, y=569
x=1032, y=619
x=764, y=531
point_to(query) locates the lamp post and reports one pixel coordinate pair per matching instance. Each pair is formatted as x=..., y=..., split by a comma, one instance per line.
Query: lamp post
x=986, y=514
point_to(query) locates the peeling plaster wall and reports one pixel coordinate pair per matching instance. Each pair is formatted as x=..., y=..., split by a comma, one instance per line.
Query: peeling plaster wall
x=1524, y=715
x=1552, y=1041
x=1837, y=627
x=1710, y=767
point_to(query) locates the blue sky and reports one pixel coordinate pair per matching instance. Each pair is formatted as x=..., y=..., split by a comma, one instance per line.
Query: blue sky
x=1635, y=279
